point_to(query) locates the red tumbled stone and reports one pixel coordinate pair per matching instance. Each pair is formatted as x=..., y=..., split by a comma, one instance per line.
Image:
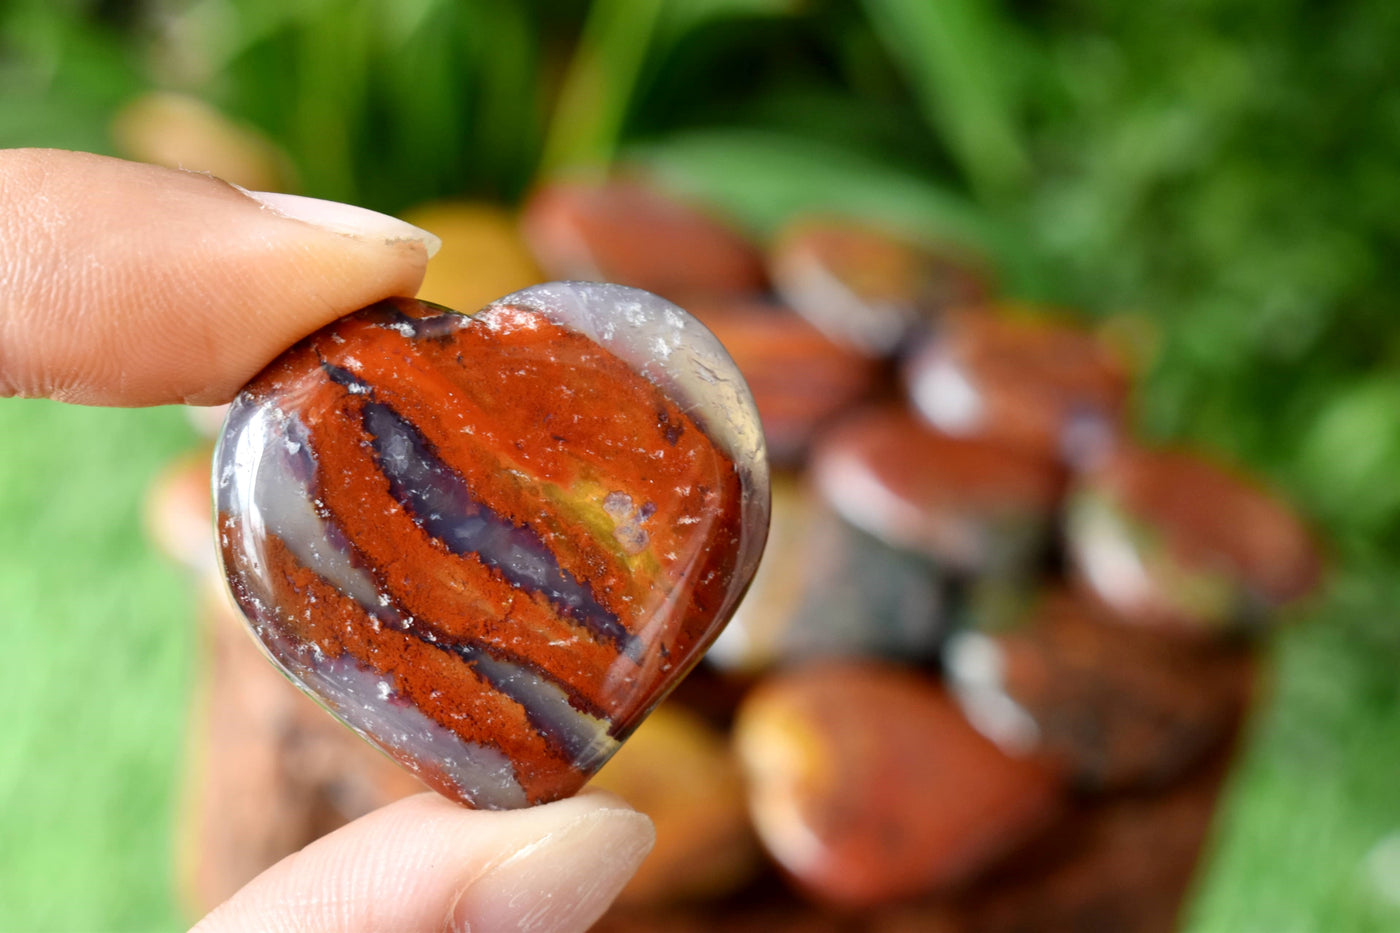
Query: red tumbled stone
x=866, y=783
x=1171, y=539
x=626, y=232
x=1040, y=384
x=1126, y=864
x=869, y=287
x=968, y=504
x=1116, y=705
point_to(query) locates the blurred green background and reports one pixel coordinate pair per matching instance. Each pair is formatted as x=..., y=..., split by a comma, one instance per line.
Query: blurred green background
x=1225, y=172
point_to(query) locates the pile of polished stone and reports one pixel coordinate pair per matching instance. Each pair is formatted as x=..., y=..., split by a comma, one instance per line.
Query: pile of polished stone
x=989, y=674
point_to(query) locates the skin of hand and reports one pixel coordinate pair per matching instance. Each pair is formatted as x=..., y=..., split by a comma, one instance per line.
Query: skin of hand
x=127, y=284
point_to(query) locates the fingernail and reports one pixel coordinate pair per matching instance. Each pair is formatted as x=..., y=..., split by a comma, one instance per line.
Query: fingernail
x=562, y=882
x=345, y=219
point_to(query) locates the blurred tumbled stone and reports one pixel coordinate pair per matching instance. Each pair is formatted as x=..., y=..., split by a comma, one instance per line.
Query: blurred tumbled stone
x=784, y=916
x=866, y=784
x=628, y=233
x=1028, y=380
x=827, y=589
x=482, y=256
x=183, y=132
x=1126, y=864
x=1168, y=538
x=972, y=506
x=1115, y=705
x=681, y=772
x=179, y=513
x=869, y=287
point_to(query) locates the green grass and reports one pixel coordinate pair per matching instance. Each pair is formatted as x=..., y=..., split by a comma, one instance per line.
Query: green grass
x=1319, y=786
x=93, y=695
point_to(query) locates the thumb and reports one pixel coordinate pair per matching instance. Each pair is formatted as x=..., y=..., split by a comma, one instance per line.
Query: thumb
x=426, y=864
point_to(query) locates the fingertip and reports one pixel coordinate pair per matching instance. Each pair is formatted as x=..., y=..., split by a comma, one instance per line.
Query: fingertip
x=128, y=284
x=566, y=879
x=346, y=219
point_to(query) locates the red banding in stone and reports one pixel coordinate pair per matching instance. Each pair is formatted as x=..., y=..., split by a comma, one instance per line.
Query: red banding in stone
x=628, y=513
x=439, y=683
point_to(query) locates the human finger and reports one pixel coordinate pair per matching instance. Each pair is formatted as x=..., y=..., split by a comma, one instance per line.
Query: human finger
x=129, y=284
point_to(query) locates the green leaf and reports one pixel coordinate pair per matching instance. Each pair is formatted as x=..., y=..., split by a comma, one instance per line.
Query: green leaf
x=600, y=83
x=684, y=16
x=954, y=54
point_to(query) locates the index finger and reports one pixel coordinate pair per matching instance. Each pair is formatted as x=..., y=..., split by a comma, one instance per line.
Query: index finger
x=129, y=284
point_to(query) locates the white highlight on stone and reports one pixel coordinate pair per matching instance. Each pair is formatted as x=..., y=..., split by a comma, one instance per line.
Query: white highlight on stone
x=945, y=396
x=1107, y=555
x=977, y=671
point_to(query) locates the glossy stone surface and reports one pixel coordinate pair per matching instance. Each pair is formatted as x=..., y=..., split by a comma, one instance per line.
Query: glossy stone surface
x=1171, y=539
x=866, y=784
x=1020, y=378
x=492, y=543
x=868, y=287
x=1116, y=706
x=627, y=232
x=972, y=506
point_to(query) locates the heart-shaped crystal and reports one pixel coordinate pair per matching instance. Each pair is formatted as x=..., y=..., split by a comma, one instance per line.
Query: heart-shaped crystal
x=492, y=543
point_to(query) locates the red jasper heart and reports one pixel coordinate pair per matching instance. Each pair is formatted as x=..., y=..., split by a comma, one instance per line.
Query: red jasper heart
x=492, y=543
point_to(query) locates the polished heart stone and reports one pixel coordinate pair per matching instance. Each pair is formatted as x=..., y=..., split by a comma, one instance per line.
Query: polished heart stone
x=492, y=543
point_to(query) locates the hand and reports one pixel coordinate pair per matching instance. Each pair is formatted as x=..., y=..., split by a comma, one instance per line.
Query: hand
x=125, y=284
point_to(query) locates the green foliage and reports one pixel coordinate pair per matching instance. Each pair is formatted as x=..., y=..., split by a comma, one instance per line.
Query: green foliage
x=598, y=88
x=98, y=645
x=764, y=179
x=382, y=103
x=1313, y=802
x=1215, y=166
x=61, y=75
x=956, y=55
